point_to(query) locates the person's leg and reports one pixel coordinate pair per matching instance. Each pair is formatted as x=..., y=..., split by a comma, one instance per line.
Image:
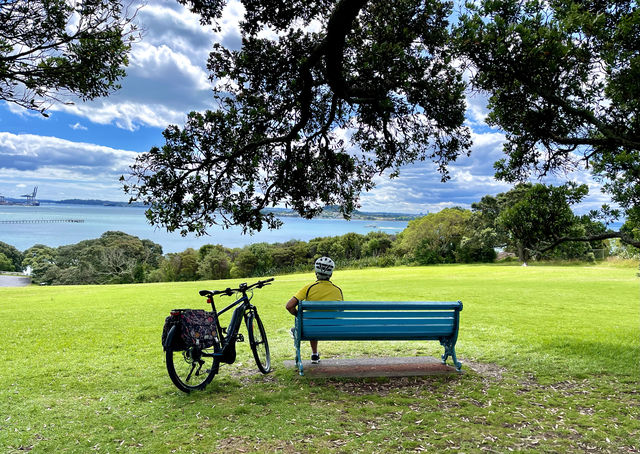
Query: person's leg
x=315, y=357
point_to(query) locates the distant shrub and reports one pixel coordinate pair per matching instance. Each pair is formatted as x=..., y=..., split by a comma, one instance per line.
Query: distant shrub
x=5, y=263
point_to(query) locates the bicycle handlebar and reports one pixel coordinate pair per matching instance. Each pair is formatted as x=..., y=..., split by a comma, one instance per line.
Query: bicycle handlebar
x=261, y=284
x=241, y=288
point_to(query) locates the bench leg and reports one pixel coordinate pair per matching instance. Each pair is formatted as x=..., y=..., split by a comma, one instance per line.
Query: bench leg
x=298, y=358
x=455, y=360
x=450, y=350
x=296, y=344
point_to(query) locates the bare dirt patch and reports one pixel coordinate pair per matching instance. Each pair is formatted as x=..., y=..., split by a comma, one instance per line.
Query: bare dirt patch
x=385, y=386
x=492, y=371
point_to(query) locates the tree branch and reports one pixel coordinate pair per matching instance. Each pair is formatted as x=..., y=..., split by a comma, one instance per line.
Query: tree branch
x=584, y=114
x=576, y=141
x=625, y=238
x=340, y=23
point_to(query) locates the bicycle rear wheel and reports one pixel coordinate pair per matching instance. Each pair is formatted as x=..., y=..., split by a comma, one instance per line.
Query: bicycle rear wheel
x=191, y=369
x=258, y=342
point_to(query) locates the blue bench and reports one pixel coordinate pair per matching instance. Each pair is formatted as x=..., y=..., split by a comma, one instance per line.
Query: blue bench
x=378, y=320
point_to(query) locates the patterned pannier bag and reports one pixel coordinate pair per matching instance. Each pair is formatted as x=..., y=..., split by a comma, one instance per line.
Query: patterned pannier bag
x=197, y=328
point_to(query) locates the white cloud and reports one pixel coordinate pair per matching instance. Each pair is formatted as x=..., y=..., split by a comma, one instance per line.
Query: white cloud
x=57, y=184
x=169, y=23
x=78, y=127
x=31, y=152
x=21, y=111
x=167, y=75
x=477, y=111
x=419, y=189
x=161, y=87
x=61, y=168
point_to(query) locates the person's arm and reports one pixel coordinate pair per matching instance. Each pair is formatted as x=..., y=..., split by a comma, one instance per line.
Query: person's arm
x=292, y=305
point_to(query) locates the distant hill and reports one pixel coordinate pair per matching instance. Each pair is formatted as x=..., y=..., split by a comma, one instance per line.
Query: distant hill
x=97, y=202
x=333, y=212
x=330, y=212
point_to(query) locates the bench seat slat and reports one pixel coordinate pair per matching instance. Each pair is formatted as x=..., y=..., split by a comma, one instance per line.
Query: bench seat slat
x=350, y=322
x=374, y=337
x=397, y=333
x=438, y=329
x=381, y=305
x=374, y=314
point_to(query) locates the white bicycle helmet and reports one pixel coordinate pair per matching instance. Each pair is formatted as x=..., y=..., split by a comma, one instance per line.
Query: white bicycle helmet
x=324, y=267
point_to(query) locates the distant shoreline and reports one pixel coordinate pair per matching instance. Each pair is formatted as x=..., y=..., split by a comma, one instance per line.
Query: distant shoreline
x=330, y=212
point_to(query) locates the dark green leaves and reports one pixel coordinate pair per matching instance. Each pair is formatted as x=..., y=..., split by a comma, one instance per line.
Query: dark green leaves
x=51, y=49
x=562, y=78
x=308, y=118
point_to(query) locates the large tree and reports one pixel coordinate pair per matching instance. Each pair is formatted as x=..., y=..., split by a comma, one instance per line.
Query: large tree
x=114, y=258
x=40, y=259
x=51, y=49
x=323, y=95
x=536, y=215
x=534, y=219
x=436, y=237
x=563, y=83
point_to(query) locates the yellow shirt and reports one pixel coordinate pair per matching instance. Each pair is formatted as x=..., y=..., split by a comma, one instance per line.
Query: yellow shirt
x=320, y=291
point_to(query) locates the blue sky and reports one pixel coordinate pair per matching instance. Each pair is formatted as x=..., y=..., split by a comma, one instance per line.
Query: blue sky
x=81, y=150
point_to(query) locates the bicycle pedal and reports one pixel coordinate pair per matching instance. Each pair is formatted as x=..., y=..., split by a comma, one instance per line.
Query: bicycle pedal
x=239, y=338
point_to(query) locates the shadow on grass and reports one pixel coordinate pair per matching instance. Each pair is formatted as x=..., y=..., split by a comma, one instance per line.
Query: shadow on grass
x=596, y=357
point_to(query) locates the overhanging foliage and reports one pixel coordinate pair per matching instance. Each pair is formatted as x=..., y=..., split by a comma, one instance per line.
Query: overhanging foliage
x=325, y=95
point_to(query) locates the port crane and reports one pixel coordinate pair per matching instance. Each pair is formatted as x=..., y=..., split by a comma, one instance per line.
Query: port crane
x=31, y=198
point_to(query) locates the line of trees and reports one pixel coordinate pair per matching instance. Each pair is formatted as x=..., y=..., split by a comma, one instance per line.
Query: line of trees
x=525, y=221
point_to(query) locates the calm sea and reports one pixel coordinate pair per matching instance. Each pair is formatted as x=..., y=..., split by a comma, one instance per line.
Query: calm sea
x=131, y=220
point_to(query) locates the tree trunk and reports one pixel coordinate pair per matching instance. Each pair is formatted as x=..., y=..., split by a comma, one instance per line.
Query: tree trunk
x=523, y=253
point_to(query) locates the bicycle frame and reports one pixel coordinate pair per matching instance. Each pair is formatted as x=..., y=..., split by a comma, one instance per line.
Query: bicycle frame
x=227, y=353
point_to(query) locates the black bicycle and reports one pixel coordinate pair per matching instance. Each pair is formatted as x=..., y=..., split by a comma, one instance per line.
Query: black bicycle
x=192, y=364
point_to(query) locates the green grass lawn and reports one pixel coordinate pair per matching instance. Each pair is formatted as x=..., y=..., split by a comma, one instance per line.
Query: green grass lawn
x=551, y=356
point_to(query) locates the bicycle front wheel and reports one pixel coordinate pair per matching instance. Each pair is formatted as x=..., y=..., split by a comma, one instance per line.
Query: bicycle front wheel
x=258, y=342
x=191, y=369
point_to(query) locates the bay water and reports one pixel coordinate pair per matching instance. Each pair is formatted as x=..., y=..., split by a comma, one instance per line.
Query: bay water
x=97, y=219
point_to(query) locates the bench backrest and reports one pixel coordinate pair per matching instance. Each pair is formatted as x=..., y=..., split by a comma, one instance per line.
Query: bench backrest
x=378, y=320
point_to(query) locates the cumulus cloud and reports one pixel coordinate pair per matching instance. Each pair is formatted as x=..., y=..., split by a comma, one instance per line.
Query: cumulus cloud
x=31, y=152
x=477, y=111
x=161, y=86
x=419, y=189
x=61, y=168
x=58, y=184
x=78, y=127
x=169, y=23
x=167, y=75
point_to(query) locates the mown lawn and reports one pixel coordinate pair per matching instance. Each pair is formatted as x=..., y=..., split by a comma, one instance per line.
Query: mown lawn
x=551, y=357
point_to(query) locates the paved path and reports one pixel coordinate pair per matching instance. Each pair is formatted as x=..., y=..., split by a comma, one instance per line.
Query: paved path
x=375, y=367
x=14, y=281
